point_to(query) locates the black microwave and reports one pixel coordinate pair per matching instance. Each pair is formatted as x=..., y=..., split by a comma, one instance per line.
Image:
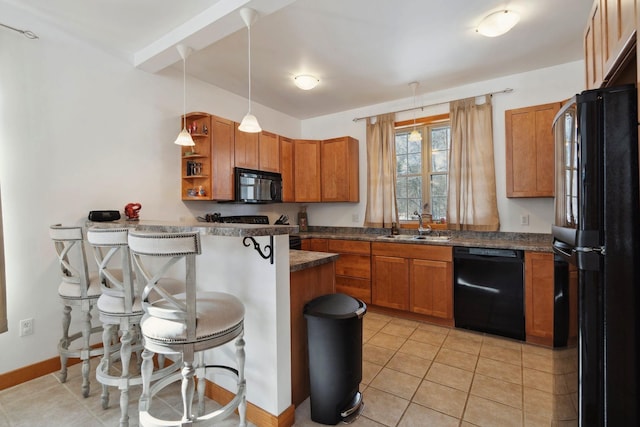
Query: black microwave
x=254, y=186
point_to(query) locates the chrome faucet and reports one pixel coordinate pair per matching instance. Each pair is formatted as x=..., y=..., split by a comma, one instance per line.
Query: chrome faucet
x=421, y=229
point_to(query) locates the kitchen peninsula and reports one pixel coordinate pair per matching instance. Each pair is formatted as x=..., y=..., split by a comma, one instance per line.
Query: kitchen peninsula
x=253, y=262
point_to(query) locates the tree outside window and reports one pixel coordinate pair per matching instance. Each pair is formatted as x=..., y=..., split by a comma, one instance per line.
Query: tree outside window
x=421, y=171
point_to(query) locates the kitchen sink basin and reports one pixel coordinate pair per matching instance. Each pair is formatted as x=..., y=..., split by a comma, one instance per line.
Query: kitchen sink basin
x=414, y=237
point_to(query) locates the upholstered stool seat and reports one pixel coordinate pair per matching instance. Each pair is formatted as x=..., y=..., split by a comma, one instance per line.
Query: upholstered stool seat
x=80, y=289
x=185, y=323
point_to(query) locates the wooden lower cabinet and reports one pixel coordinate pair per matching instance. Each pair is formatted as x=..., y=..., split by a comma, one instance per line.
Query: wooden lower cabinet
x=390, y=286
x=539, y=297
x=431, y=284
x=414, y=278
x=353, y=268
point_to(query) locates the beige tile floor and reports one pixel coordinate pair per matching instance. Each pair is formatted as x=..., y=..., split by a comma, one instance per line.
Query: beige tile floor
x=414, y=374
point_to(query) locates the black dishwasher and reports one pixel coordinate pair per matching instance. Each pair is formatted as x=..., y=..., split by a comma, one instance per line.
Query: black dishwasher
x=489, y=290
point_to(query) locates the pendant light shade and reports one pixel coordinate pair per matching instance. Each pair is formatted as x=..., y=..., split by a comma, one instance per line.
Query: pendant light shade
x=414, y=136
x=498, y=23
x=184, y=137
x=249, y=122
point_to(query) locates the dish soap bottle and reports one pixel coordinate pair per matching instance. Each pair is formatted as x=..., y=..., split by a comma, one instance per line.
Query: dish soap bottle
x=302, y=219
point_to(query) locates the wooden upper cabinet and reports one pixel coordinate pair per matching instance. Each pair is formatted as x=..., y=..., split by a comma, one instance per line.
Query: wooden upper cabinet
x=618, y=26
x=268, y=152
x=287, y=168
x=539, y=297
x=340, y=170
x=246, y=149
x=593, y=48
x=530, y=150
x=306, y=161
x=222, y=158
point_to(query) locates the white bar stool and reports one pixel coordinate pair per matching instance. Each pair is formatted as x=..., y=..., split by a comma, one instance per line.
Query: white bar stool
x=187, y=323
x=77, y=289
x=120, y=311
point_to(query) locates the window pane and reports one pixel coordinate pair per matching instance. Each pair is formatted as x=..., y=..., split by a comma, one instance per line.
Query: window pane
x=402, y=209
x=401, y=187
x=402, y=165
x=439, y=196
x=414, y=187
x=415, y=147
x=414, y=163
x=440, y=138
x=414, y=205
x=439, y=161
x=401, y=143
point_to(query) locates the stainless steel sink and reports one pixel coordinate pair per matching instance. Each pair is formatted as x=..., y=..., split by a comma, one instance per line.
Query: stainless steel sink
x=415, y=237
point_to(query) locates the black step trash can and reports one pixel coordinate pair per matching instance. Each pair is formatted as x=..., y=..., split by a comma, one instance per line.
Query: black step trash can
x=334, y=329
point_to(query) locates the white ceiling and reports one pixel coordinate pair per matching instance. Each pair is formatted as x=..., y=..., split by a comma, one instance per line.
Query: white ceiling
x=363, y=51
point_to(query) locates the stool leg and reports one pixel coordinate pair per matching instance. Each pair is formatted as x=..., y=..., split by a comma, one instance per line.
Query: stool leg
x=105, y=364
x=187, y=387
x=240, y=357
x=125, y=357
x=86, y=364
x=201, y=374
x=64, y=342
x=146, y=371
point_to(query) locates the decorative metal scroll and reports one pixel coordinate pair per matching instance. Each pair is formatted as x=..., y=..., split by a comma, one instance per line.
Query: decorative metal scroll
x=268, y=249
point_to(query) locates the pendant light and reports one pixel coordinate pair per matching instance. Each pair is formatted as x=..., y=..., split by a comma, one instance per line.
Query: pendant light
x=414, y=136
x=184, y=137
x=249, y=122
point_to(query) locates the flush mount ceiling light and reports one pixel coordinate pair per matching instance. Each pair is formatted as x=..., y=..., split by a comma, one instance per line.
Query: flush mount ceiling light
x=184, y=137
x=306, y=81
x=414, y=136
x=249, y=122
x=498, y=23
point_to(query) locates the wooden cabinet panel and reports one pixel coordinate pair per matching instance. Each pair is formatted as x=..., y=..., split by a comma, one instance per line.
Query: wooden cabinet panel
x=430, y=252
x=317, y=245
x=431, y=284
x=390, y=284
x=339, y=170
x=287, y=169
x=539, y=297
x=352, y=265
x=350, y=246
x=306, y=155
x=269, y=152
x=222, y=158
x=618, y=26
x=357, y=288
x=246, y=149
x=593, y=48
x=530, y=150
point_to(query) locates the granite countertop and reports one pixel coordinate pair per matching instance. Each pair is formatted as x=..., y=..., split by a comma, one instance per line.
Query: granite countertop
x=211, y=228
x=504, y=240
x=299, y=260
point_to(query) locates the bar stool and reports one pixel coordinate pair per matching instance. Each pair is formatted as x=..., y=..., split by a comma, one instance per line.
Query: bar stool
x=187, y=324
x=77, y=289
x=120, y=311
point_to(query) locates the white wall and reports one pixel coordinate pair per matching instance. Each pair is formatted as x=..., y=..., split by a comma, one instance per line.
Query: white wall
x=532, y=88
x=82, y=130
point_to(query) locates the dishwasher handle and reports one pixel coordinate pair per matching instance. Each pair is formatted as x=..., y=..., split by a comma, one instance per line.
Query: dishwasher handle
x=466, y=252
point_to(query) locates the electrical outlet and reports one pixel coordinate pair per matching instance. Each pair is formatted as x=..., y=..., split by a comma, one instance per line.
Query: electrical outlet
x=524, y=219
x=26, y=327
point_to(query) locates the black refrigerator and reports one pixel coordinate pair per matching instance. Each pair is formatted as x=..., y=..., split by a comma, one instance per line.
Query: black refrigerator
x=597, y=228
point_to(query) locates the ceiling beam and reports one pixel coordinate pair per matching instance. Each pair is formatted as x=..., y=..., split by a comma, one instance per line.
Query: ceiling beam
x=210, y=26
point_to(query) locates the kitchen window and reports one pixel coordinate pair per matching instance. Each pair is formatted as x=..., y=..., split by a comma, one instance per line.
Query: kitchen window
x=421, y=170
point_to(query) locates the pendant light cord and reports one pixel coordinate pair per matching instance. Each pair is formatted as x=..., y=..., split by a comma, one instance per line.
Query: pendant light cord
x=249, y=54
x=184, y=92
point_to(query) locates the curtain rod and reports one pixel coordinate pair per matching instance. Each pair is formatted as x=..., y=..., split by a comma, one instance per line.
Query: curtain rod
x=507, y=90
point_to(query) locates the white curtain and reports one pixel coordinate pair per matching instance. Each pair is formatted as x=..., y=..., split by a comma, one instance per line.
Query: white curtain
x=3, y=293
x=382, y=209
x=472, y=203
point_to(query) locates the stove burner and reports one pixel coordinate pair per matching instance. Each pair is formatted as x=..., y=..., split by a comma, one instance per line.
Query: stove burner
x=238, y=219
